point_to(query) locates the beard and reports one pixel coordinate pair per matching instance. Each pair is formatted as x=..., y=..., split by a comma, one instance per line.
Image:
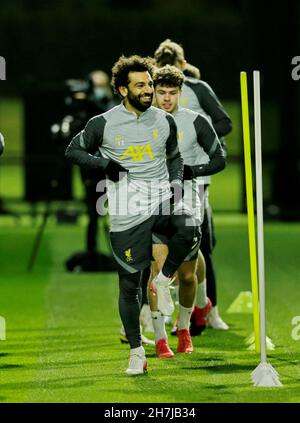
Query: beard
x=137, y=101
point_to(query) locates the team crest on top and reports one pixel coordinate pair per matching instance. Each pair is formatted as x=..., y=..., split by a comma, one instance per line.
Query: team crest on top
x=183, y=101
x=128, y=255
x=180, y=135
x=155, y=134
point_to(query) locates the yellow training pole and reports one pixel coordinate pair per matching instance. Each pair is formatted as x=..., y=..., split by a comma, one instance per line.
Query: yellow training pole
x=250, y=209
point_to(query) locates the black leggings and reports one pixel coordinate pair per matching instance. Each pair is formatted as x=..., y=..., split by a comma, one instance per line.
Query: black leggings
x=130, y=305
x=207, y=245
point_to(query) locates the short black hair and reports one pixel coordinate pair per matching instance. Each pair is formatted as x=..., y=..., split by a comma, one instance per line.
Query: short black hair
x=124, y=65
x=168, y=76
x=168, y=53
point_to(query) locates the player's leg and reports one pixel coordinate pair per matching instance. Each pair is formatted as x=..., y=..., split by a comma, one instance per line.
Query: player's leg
x=132, y=251
x=203, y=304
x=181, y=231
x=187, y=288
x=129, y=308
x=145, y=316
x=159, y=253
x=187, y=291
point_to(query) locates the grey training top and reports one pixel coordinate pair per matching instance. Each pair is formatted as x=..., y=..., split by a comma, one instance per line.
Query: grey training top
x=198, y=143
x=197, y=95
x=146, y=146
x=200, y=148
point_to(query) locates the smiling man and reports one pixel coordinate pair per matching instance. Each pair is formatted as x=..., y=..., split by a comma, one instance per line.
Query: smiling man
x=135, y=144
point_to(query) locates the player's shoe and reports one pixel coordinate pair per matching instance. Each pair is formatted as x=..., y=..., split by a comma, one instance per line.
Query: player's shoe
x=146, y=319
x=185, y=344
x=164, y=300
x=124, y=340
x=163, y=350
x=199, y=318
x=137, y=363
x=215, y=321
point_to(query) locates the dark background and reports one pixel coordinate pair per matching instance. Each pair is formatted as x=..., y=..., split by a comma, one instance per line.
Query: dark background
x=46, y=42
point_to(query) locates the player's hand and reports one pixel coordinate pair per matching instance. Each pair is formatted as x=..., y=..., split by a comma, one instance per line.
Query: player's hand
x=188, y=173
x=115, y=171
x=177, y=192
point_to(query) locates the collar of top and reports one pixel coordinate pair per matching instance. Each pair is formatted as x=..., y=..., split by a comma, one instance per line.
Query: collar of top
x=133, y=114
x=179, y=109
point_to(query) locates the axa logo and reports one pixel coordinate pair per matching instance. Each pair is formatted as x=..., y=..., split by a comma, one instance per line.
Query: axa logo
x=2, y=69
x=137, y=153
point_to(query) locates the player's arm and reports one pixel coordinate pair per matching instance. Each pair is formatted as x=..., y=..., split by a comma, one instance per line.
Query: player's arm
x=174, y=159
x=85, y=144
x=209, y=141
x=212, y=106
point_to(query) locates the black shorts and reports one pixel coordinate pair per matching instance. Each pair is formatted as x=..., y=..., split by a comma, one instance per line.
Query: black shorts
x=132, y=248
x=163, y=239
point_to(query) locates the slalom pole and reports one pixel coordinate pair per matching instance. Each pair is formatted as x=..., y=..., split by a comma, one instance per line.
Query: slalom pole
x=250, y=208
x=259, y=215
x=264, y=374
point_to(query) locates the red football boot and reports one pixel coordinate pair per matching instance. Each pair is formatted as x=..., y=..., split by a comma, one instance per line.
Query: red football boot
x=163, y=350
x=185, y=344
x=199, y=319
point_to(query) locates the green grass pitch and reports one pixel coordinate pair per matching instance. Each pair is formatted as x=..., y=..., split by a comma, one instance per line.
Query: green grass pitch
x=62, y=329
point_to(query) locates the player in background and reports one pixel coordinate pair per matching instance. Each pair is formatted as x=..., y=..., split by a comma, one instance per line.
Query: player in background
x=197, y=95
x=196, y=140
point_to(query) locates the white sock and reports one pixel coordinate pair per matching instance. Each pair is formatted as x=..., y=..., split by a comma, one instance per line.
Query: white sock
x=201, y=296
x=184, y=317
x=138, y=351
x=177, y=294
x=162, y=280
x=158, y=321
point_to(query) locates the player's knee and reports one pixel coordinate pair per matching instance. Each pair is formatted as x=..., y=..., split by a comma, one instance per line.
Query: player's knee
x=188, y=278
x=187, y=233
x=190, y=235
